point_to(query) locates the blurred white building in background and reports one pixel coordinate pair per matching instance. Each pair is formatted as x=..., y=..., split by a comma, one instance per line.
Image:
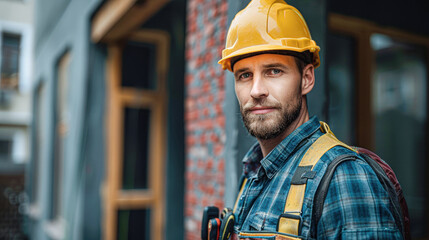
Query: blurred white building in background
x=16, y=62
x=16, y=66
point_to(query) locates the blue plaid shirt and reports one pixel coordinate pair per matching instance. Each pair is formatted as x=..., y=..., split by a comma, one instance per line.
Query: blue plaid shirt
x=356, y=206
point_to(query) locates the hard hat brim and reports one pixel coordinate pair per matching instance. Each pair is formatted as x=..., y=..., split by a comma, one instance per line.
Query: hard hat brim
x=226, y=61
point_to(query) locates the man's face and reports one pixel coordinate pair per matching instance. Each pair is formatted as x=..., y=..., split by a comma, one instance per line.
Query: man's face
x=268, y=88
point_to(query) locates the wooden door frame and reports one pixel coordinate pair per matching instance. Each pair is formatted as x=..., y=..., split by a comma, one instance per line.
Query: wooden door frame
x=115, y=22
x=118, y=98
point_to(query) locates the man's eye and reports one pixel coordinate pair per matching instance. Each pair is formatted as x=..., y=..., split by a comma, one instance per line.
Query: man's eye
x=245, y=75
x=274, y=71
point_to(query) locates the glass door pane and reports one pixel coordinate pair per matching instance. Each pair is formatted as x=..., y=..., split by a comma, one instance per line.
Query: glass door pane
x=399, y=110
x=133, y=224
x=138, y=65
x=136, y=147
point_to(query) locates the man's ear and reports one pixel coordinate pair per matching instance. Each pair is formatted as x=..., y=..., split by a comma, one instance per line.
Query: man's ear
x=308, y=79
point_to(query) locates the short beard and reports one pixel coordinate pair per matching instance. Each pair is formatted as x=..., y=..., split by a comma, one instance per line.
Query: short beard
x=288, y=115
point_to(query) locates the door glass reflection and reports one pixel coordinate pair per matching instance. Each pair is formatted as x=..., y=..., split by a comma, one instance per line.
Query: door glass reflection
x=399, y=108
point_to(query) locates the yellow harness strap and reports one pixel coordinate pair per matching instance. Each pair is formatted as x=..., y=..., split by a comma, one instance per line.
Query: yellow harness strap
x=290, y=221
x=239, y=194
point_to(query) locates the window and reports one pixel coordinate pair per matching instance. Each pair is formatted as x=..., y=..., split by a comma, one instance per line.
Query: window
x=134, y=196
x=61, y=131
x=12, y=142
x=10, y=57
x=5, y=149
x=378, y=80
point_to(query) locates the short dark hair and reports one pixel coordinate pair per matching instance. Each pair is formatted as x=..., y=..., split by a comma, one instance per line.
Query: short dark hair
x=300, y=64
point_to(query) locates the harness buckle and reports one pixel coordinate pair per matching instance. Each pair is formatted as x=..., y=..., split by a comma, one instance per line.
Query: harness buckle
x=290, y=222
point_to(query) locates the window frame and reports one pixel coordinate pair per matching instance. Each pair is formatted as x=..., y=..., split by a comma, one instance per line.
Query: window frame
x=361, y=31
x=55, y=224
x=118, y=99
x=62, y=74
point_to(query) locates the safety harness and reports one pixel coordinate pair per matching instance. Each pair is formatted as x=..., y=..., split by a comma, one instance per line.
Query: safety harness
x=289, y=223
x=290, y=220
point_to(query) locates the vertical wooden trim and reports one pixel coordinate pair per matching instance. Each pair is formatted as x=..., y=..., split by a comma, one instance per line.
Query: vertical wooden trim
x=364, y=74
x=163, y=60
x=114, y=134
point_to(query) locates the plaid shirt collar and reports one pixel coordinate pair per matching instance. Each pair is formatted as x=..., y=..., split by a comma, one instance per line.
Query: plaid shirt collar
x=274, y=160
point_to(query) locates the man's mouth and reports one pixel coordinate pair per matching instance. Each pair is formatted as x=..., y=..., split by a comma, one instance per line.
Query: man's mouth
x=261, y=110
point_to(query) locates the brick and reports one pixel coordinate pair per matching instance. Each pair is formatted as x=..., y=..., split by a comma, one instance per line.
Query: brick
x=221, y=166
x=218, y=149
x=204, y=116
x=210, y=163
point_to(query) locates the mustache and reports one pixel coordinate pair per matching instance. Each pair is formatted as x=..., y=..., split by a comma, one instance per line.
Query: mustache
x=264, y=103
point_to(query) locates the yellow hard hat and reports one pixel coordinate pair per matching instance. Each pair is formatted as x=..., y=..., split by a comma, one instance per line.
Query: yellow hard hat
x=268, y=25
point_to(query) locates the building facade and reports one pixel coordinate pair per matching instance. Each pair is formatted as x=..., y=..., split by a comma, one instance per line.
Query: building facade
x=137, y=128
x=16, y=66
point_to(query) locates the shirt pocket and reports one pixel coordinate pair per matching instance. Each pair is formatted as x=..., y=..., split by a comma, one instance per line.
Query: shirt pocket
x=256, y=221
x=262, y=221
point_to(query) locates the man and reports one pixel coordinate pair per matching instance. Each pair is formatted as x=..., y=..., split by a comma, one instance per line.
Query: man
x=272, y=56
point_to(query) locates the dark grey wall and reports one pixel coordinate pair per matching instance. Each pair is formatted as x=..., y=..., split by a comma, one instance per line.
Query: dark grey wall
x=64, y=25
x=47, y=15
x=315, y=14
x=93, y=149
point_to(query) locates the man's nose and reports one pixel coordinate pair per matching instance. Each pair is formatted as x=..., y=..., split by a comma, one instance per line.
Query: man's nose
x=259, y=88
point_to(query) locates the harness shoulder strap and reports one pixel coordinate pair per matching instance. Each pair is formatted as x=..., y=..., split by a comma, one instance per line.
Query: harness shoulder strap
x=243, y=181
x=290, y=221
x=322, y=190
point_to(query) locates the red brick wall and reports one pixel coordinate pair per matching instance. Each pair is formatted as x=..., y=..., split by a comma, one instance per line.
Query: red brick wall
x=204, y=116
